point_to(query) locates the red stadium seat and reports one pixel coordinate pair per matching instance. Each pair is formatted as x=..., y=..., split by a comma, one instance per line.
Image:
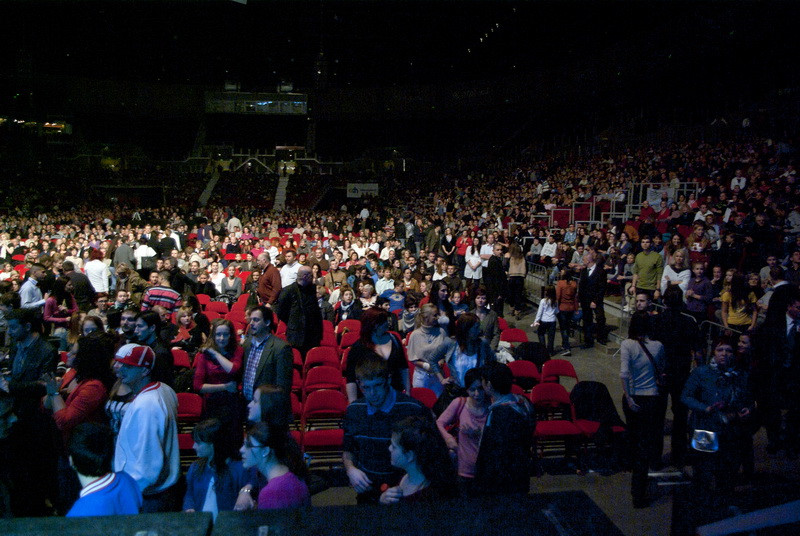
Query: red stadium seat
x=525, y=373
x=323, y=377
x=190, y=407
x=424, y=395
x=553, y=369
x=322, y=355
x=513, y=335
x=180, y=358
x=204, y=299
x=217, y=307
x=555, y=417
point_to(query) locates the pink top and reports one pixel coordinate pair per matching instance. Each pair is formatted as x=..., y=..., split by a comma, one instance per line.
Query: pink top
x=207, y=370
x=285, y=491
x=470, y=427
x=57, y=317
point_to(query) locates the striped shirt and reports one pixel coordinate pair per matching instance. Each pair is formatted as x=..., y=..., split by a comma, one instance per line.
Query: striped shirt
x=368, y=432
x=253, y=359
x=166, y=297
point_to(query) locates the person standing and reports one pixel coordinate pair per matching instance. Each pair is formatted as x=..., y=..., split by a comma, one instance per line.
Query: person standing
x=265, y=357
x=641, y=364
x=147, y=443
x=591, y=293
x=495, y=279
x=297, y=307
x=504, y=452
x=567, y=299
x=29, y=293
x=368, y=430
x=517, y=269
x=33, y=454
x=269, y=284
x=647, y=269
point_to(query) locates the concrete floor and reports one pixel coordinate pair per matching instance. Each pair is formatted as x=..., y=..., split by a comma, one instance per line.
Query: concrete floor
x=612, y=493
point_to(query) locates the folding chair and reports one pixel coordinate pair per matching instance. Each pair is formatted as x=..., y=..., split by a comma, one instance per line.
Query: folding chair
x=555, y=419
x=513, y=335
x=321, y=355
x=323, y=377
x=349, y=326
x=553, y=369
x=525, y=373
x=321, y=428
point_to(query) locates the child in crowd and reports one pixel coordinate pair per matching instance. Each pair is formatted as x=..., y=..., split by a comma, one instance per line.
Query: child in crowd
x=457, y=301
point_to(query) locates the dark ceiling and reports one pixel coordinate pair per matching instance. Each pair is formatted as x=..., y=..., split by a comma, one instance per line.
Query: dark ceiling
x=380, y=43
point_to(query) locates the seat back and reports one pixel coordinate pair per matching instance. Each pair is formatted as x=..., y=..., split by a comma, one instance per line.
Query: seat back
x=323, y=377
x=217, y=307
x=180, y=358
x=513, y=335
x=525, y=373
x=190, y=407
x=554, y=368
x=350, y=325
x=348, y=339
x=424, y=395
x=321, y=355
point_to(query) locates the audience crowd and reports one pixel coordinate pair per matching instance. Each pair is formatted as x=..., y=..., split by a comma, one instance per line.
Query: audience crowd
x=110, y=313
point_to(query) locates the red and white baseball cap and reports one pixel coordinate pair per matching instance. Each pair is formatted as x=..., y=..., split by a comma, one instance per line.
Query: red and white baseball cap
x=136, y=355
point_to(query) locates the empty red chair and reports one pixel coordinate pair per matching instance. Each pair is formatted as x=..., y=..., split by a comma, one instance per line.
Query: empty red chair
x=525, y=373
x=329, y=339
x=211, y=315
x=321, y=419
x=297, y=358
x=236, y=315
x=217, y=307
x=343, y=364
x=513, y=335
x=553, y=369
x=204, y=299
x=348, y=340
x=323, y=377
x=350, y=325
x=180, y=358
x=190, y=407
x=424, y=395
x=241, y=303
x=502, y=324
x=18, y=258
x=281, y=329
x=297, y=381
x=327, y=327
x=322, y=355
x=555, y=416
x=185, y=442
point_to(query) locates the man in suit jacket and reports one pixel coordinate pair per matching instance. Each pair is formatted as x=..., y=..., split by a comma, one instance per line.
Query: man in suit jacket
x=267, y=359
x=33, y=454
x=494, y=277
x=591, y=291
x=297, y=306
x=778, y=376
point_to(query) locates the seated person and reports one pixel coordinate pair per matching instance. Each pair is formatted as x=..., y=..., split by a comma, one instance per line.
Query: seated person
x=104, y=493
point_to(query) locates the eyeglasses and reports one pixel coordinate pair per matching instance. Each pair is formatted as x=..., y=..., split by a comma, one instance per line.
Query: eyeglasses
x=249, y=444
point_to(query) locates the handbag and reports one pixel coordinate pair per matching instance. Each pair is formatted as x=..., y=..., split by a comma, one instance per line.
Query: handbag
x=705, y=441
x=662, y=379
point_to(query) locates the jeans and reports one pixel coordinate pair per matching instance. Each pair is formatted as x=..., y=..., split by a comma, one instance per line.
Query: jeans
x=565, y=323
x=547, y=329
x=644, y=427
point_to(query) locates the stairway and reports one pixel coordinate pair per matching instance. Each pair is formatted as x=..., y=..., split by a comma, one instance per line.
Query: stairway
x=209, y=189
x=280, y=194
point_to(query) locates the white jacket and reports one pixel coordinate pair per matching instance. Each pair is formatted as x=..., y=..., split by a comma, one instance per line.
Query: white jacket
x=147, y=444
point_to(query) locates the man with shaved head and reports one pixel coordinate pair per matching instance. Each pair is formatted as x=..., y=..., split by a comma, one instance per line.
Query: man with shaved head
x=297, y=307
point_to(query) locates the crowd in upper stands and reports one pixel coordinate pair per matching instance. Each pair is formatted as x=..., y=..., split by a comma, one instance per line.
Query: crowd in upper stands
x=229, y=302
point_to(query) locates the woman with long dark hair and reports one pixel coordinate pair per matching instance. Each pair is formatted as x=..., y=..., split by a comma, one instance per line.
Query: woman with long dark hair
x=214, y=480
x=470, y=350
x=376, y=339
x=269, y=450
x=739, y=309
x=419, y=450
x=59, y=308
x=438, y=296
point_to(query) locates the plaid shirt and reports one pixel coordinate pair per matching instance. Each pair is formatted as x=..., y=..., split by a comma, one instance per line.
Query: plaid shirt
x=253, y=359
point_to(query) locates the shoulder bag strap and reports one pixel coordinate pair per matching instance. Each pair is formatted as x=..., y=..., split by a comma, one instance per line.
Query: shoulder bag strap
x=656, y=370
